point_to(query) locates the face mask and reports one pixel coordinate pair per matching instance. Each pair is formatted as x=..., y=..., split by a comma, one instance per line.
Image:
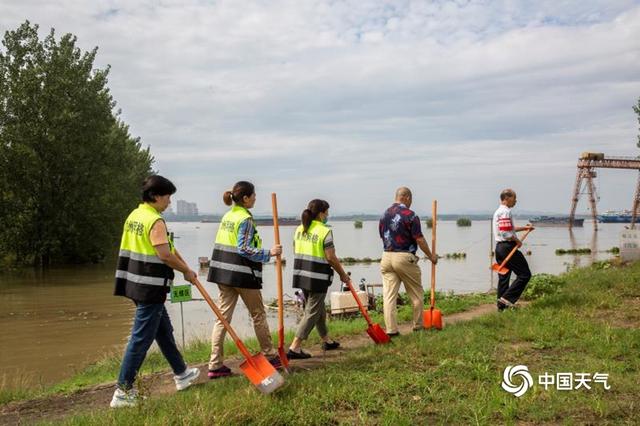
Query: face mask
x=325, y=220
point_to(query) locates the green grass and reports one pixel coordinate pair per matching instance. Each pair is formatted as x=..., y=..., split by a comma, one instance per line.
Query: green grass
x=106, y=369
x=589, y=324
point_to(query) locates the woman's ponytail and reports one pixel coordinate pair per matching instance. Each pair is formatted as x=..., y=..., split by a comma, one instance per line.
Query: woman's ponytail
x=307, y=217
x=312, y=211
x=227, y=197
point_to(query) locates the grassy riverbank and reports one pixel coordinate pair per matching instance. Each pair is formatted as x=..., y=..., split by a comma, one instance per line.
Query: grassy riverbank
x=585, y=322
x=106, y=370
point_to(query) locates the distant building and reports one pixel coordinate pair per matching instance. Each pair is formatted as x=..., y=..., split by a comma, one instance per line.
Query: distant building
x=185, y=208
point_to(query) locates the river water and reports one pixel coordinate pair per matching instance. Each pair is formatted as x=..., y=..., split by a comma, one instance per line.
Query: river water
x=56, y=322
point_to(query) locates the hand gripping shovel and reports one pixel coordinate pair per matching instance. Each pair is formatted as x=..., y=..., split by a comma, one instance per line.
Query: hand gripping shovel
x=432, y=317
x=256, y=367
x=374, y=330
x=501, y=268
x=276, y=232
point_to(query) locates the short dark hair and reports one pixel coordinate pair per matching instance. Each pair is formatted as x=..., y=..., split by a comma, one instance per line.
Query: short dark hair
x=507, y=193
x=156, y=185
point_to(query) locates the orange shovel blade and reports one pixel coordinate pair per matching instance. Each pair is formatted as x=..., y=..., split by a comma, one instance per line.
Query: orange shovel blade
x=436, y=319
x=432, y=318
x=262, y=374
x=500, y=270
x=377, y=334
x=427, y=318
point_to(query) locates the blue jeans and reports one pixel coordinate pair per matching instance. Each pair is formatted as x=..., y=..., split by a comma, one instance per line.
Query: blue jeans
x=151, y=323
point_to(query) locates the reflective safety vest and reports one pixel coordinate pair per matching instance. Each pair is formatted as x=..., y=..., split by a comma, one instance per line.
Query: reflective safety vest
x=227, y=266
x=311, y=271
x=141, y=275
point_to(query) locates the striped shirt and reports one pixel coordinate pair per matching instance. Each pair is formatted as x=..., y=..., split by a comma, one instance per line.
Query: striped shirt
x=245, y=236
x=503, y=228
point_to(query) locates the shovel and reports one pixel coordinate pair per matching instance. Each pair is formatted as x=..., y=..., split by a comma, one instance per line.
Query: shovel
x=276, y=233
x=501, y=268
x=256, y=367
x=432, y=317
x=374, y=331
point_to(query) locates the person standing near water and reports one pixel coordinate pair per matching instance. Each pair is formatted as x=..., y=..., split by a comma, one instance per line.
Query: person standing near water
x=144, y=274
x=314, y=261
x=401, y=236
x=506, y=239
x=236, y=266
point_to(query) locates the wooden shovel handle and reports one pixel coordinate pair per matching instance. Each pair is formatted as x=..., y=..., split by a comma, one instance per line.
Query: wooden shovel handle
x=362, y=308
x=224, y=322
x=276, y=236
x=434, y=220
x=513, y=251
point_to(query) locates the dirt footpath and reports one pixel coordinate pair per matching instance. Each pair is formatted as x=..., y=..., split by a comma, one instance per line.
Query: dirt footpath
x=98, y=397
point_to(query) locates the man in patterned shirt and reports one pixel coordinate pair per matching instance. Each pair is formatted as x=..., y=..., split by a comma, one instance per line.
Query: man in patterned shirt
x=401, y=236
x=506, y=240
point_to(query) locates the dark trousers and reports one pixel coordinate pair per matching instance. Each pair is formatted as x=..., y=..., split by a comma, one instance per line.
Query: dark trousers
x=517, y=264
x=151, y=323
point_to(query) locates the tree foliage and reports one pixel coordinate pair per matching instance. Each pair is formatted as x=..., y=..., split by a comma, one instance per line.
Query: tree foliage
x=69, y=169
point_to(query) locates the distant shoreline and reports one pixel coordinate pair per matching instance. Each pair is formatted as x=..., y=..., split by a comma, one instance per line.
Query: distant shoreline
x=289, y=220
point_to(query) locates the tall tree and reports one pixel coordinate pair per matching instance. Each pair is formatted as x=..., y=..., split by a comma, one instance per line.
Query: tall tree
x=69, y=168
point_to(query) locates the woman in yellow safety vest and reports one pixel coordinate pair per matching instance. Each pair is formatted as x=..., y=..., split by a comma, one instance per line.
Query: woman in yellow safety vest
x=236, y=266
x=144, y=274
x=314, y=261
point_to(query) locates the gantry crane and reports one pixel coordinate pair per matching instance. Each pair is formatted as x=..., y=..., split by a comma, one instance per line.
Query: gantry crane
x=588, y=162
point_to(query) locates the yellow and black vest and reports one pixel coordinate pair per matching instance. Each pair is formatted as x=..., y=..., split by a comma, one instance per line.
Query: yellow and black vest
x=311, y=271
x=227, y=266
x=141, y=275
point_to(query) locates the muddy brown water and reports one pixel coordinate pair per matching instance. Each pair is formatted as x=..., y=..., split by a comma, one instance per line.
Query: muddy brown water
x=54, y=323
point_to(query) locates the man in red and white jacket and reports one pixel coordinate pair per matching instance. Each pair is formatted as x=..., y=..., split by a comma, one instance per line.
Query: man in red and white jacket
x=506, y=239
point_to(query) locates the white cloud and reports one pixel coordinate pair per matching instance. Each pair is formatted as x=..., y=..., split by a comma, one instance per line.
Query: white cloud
x=352, y=98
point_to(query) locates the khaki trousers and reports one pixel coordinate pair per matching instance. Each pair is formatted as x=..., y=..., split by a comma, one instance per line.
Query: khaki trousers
x=252, y=298
x=315, y=315
x=402, y=267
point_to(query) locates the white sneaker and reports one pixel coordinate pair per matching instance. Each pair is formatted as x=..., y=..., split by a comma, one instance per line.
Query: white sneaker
x=122, y=398
x=187, y=378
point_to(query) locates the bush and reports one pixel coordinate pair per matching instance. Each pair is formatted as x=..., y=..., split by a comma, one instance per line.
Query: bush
x=463, y=221
x=429, y=223
x=542, y=285
x=573, y=251
x=357, y=224
x=460, y=255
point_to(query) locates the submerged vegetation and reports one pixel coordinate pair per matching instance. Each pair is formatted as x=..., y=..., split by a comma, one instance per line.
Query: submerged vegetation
x=455, y=255
x=560, y=252
x=463, y=221
x=353, y=260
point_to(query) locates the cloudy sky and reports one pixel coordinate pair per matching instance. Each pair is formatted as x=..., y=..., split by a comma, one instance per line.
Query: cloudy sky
x=346, y=100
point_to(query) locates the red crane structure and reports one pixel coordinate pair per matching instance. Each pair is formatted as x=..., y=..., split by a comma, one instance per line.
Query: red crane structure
x=588, y=162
